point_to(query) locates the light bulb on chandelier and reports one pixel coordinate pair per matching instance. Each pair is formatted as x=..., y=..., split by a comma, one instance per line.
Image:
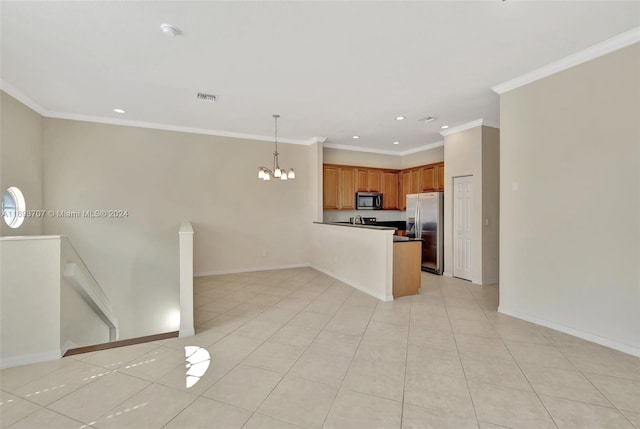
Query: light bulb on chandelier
x=277, y=173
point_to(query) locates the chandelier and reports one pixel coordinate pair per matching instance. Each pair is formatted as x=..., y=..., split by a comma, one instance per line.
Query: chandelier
x=277, y=173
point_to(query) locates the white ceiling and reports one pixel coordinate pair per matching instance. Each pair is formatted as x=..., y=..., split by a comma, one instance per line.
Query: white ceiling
x=330, y=69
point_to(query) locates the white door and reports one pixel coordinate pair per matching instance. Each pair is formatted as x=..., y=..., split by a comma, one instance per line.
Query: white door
x=462, y=204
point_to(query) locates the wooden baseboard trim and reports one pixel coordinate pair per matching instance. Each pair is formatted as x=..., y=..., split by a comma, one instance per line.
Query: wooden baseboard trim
x=121, y=343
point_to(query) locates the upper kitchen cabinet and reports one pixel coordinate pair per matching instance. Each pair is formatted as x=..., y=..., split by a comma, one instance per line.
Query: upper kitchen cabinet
x=338, y=187
x=330, y=185
x=341, y=182
x=347, y=189
x=409, y=184
x=368, y=180
x=432, y=177
x=375, y=181
x=429, y=181
x=440, y=176
x=390, y=191
x=415, y=181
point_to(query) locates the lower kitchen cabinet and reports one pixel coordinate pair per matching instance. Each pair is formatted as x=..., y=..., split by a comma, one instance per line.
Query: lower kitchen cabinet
x=407, y=268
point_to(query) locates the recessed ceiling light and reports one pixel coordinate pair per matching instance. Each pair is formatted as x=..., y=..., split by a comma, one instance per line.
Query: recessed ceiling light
x=169, y=30
x=356, y=137
x=400, y=118
x=444, y=127
x=119, y=111
x=396, y=142
x=427, y=119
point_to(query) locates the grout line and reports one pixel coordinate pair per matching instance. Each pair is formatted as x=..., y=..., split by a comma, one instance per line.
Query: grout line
x=306, y=348
x=517, y=364
x=406, y=358
x=351, y=362
x=464, y=372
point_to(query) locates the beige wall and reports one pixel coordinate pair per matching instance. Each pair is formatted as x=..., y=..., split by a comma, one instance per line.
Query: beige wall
x=163, y=178
x=490, y=204
x=21, y=159
x=570, y=200
x=423, y=157
x=463, y=157
x=377, y=160
x=30, y=303
x=364, y=159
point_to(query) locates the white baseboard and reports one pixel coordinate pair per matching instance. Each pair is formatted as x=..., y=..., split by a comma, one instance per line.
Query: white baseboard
x=345, y=281
x=446, y=274
x=30, y=358
x=249, y=270
x=186, y=332
x=625, y=348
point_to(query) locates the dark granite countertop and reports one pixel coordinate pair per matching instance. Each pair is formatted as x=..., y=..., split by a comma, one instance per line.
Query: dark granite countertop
x=402, y=239
x=350, y=225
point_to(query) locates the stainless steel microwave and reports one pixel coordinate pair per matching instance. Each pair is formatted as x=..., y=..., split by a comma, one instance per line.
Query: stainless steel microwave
x=368, y=201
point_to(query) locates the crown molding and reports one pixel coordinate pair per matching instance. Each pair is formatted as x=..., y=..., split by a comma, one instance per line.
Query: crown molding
x=477, y=123
x=383, y=151
x=24, y=99
x=361, y=149
x=610, y=45
x=21, y=97
x=423, y=148
x=314, y=140
x=492, y=124
x=169, y=127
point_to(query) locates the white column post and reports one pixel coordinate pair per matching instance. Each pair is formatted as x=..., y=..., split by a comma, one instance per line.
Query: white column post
x=186, y=280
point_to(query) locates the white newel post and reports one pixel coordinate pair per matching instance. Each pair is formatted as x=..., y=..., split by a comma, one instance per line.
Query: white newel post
x=186, y=280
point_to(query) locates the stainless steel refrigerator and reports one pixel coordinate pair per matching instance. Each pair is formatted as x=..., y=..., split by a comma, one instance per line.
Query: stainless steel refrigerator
x=425, y=214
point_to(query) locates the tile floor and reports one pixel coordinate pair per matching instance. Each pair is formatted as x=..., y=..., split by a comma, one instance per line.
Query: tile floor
x=295, y=348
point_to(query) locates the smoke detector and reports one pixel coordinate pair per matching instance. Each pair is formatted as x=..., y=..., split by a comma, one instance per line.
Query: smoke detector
x=427, y=119
x=207, y=97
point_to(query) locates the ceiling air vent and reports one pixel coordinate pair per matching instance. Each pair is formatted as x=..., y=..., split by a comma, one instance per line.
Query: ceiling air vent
x=427, y=119
x=207, y=97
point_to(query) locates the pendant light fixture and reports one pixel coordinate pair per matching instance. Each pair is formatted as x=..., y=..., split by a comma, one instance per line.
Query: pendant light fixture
x=277, y=173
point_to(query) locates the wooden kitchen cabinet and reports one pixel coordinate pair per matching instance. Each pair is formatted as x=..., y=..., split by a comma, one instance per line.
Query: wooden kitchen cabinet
x=415, y=181
x=407, y=268
x=330, y=184
x=338, y=187
x=429, y=179
x=362, y=180
x=368, y=180
x=341, y=182
x=404, y=188
x=390, y=191
x=374, y=177
x=440, y=176
x=347, y=188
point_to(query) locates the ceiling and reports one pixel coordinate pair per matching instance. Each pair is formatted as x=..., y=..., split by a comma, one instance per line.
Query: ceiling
x=330, y=69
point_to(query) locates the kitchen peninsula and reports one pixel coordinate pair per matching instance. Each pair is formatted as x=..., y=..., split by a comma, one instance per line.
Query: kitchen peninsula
x=367, y=258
